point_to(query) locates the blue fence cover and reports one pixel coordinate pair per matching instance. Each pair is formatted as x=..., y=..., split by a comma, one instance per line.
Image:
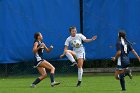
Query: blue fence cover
x=20, y=19
x=104, y=18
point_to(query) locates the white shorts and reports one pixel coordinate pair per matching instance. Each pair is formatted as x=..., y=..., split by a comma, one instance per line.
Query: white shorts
x=80, y=52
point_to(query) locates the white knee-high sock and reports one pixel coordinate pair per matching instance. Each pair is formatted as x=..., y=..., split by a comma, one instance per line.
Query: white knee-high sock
x=80, y=74
x=70, y=57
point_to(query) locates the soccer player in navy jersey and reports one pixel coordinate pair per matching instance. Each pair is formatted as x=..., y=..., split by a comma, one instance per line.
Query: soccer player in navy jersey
x=40, y=63
x=123, y=47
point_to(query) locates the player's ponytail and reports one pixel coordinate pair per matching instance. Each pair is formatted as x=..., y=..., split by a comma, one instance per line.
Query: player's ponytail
x=122, y=34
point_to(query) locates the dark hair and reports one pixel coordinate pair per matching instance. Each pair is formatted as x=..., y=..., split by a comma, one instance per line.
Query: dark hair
x=122, y=34
x=72, y=27
x=36, y=35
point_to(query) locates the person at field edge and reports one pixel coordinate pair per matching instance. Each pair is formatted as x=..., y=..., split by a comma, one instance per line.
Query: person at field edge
x=40, y=63
x=123, y=47
x=77, y=52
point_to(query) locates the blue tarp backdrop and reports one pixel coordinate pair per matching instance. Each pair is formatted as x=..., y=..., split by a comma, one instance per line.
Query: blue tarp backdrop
x=105, y=18
x=20, y=19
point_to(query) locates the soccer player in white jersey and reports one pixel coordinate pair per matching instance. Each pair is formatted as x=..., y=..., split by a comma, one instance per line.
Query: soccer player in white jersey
x=78, y=50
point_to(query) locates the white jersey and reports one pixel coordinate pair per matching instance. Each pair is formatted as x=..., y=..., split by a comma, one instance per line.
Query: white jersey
x=80, y=51
x=70, y=39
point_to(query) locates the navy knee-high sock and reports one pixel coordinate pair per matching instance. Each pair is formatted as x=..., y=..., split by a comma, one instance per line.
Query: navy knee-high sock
x=52, y=77
x=122, y=81
x=36, y=81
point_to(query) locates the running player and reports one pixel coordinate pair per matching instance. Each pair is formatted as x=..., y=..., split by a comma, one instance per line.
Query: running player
x=123, y=48
x=40, y=63
x=78, y=52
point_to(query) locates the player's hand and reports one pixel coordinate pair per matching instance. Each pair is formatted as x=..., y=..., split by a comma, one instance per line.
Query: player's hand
x=113, y=58
x=94, y=37
x=61, y=56
x=51, y=46
x=42, y=45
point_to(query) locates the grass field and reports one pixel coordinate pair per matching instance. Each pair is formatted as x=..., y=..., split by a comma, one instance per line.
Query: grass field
x=92, y=83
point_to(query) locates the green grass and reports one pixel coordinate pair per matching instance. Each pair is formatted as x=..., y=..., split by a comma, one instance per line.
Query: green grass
x=92, y=83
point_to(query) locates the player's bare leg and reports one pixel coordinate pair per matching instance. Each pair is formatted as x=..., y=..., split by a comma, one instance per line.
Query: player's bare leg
x=43, y=75
x=119, y=75
x=80, y=71
x=117, y=72
x=50, y=67
x=71, y=55
x=127, y=72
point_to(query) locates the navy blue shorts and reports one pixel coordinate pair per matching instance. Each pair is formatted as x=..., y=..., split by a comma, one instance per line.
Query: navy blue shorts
x=37, y=63
x=121, y=67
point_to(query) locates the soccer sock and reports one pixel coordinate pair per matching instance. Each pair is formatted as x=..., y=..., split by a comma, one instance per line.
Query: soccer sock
x=80, y=73
x=52, y=77
x=70, y=57
x=122, y=81
x=127, y=72
x=36, y=81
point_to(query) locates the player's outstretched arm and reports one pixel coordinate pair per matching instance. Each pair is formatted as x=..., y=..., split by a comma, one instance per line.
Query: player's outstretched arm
x=135, y=53
x=92, y=39
x=66, y=48
x=48, y=49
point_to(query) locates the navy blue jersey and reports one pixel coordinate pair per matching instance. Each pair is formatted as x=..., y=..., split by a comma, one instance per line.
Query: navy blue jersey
x=39, y=54
x=125, y=48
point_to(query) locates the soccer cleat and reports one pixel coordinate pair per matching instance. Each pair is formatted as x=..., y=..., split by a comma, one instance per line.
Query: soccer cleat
x=32, y=85
x=54, y=83
x=129, y=73
x=73, y=64
x=123, y=89
x=79, y=83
